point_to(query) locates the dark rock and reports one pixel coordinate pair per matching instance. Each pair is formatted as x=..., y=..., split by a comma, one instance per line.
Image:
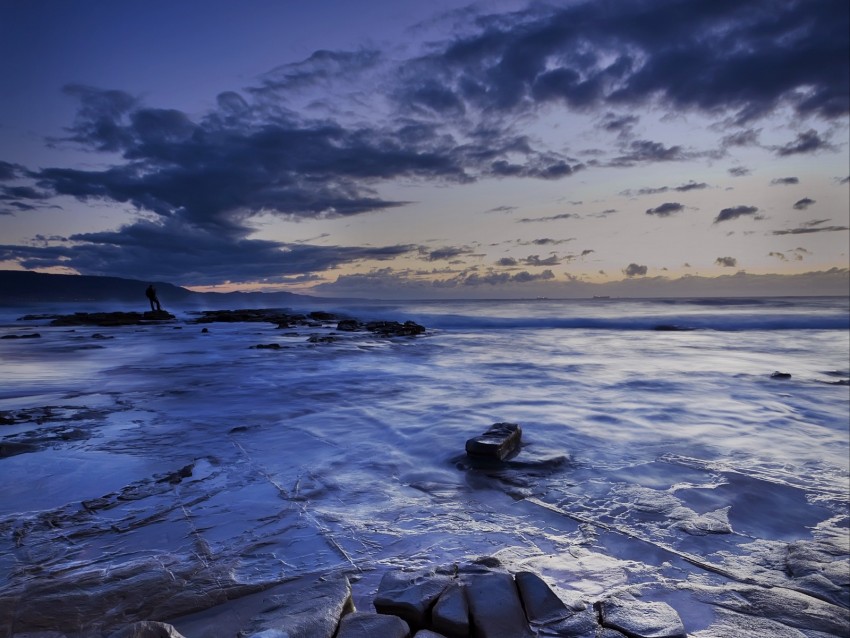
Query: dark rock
x=205, y=330
x=13, y=448
x=349, y=325
x=238, y=428
x=176, y=477
x=321, y=315
x=451, y=612
x=410, y=596
x=98, y=335
x=639, y=619
x=107, y=319
x=395, y=329
x=307, y=607
x=498, y=442
x=267, y=346
x=780, y=375
x=321, y=339
x=147, y=629
x=495, y=607
x=427, y=633
x=33, y=335
x=365, y=625
x=665, y=327
x=542, y=605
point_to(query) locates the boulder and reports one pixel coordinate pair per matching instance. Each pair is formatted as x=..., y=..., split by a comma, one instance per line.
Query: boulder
x=427, y=633
x=147, y=629
x=410, y=596
x=33, y=335
x=267, y=346
x=321, y=339
x=348, y=325
x=366, y=625
x=499, y=442
x=639, y=619
x=395, y=329
x=495, y=607
x=451, y=612
x=780, y=375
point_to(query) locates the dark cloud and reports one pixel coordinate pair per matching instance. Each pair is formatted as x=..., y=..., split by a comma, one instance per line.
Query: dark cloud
x=739, y=171
x=447, y=252
x=682, y=188
x=9, y=171
x=686, y=55
x=320, y=68
x=734, y=213
x=807, y=142
x=586, y=252
x=805, y=230
x=507, y=262
x=726, y=262
x=647, y=151
x=635, y=270
x=535, y=260
x=666, y=209
x=803, y=204
x=501, y=209
x=748, y=137
x=190, y=255
x=620, y=124
x=845, y=180
x=500, y=278
x=784, y=181
x=528, y=220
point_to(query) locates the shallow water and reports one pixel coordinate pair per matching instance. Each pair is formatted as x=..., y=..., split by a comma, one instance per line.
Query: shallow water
x=664, y=463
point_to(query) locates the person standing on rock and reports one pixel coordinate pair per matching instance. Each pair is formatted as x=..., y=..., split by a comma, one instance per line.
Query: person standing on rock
x=151, y=295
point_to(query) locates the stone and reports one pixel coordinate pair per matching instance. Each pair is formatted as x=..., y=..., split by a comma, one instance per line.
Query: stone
x=639, y=619
x=147, y=629
x=267, y=346
x=409, y=596
x=348, y=325
x=367, y=625
x=33, y=335
x=499, y=442
x=321, y=339
x=780, y=375
x=450, y=614
x=395, y=329
x=495, y=607
x=427, y=633
x=542, y=605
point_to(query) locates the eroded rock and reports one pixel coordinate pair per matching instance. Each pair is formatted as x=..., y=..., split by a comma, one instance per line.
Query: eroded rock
x=451, y=612
x=638, y=619
x=148, y=629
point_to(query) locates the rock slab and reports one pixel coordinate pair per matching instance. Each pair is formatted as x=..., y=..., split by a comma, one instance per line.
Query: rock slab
x=365, y=625
x=409, y=596
x=451, y=612
x=495, y=607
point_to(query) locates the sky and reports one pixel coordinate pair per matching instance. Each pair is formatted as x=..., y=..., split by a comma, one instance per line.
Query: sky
x=398, y=149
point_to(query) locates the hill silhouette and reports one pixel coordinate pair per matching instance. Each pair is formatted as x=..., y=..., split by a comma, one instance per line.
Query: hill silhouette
x=18, y=287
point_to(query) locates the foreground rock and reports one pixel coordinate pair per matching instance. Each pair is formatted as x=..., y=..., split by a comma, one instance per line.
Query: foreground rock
x=499, y=442
x=641, y=619
x=108, y=319
x=148, y=629
x=366, y=625
x=410, y=596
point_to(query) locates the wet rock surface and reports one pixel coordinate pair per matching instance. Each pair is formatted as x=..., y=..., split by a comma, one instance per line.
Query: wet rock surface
x=107, y=319
x=498, y=442
x=637, y=619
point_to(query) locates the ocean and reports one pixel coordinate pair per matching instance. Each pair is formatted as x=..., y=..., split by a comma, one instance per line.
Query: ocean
x=661, y=455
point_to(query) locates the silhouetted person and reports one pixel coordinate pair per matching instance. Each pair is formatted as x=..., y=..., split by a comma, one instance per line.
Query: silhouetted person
x=150, y=293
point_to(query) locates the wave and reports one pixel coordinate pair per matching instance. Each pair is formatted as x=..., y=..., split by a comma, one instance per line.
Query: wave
x=733, y=323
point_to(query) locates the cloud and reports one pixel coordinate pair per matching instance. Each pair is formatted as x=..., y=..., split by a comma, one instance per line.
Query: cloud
x=784, y=181
x=507, y=262
x=803, y=204
x=701, y=56
x=586, y=252
x=529, y=220
x=805, y=230
x=748, y=137
x=447, y=252
x=726, y=262
x=10, y=171
x=501, y=209
x=635, y=270
x=739, y=171
x=666, y=209
x=647, y=151
x=682, y=188
x=734, y=213
x=535, y=260
x=808, y=142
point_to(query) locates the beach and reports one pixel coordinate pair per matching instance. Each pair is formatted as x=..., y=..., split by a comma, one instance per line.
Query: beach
x=661, y=457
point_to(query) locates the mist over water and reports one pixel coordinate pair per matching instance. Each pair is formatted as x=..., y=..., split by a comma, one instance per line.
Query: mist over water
x=663, y=462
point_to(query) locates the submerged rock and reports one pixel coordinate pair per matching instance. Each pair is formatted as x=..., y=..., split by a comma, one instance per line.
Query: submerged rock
x=33, y=335
x=780, y=375
x=395, y=329
x=499, y=442
x=106, y=319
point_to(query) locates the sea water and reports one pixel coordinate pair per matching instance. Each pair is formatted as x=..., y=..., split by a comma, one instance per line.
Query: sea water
x=660, y=456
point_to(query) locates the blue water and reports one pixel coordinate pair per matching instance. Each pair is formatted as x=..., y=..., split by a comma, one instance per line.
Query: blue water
x=350, y=455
